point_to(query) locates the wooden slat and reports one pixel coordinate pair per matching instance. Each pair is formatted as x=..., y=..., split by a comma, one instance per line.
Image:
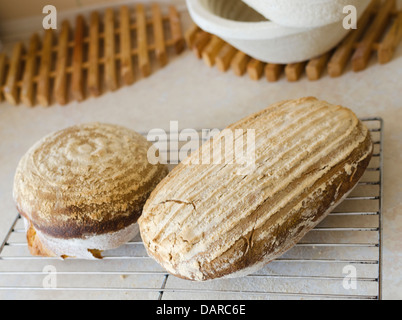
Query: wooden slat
x=11, y=89
x=343, y=52
x=191, y=34
x=239, y=63
x=316, y=66
x=110, y=51
x=60, y=82
x=3, y=65
x=273, y=71
x=200, y=42
x=142, y=41
x=93, y=56
x=43, y=91
x=255, y=69
x=363, y=52
x=212, y=50
x=388, y=46
x=77, y=81
x=176, y=30
x=225, y=57
x=126, y=61
x=27, y=87
x=160, y=46
x=294, y=71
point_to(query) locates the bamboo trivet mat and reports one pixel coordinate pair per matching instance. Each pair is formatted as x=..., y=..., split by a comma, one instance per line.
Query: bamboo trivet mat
x=379, y=31
x=104, y=53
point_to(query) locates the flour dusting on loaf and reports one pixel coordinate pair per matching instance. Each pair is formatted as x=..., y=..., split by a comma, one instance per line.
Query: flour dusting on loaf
x=85, y=186
x=205, y=222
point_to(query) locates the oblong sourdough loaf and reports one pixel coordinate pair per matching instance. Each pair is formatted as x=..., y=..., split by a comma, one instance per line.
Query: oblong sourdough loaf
x=208, y=221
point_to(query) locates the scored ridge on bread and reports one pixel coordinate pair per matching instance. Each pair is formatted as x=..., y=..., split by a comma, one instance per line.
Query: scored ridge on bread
x=208, y=221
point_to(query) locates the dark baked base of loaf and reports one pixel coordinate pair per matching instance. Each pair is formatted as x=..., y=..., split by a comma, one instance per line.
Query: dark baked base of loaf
x=38, y=248
x=35, y=246
x=75, y=229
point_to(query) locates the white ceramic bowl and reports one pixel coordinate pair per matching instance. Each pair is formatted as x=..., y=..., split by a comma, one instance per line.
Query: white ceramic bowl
x=248, y=31
x=305, y=13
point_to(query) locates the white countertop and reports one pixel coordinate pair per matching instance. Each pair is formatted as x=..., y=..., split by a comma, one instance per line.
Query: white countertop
x=200, y=97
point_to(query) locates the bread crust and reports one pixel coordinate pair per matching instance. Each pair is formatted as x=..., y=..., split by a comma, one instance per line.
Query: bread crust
x=35, y=246
x=310, y=154
x=84, y=181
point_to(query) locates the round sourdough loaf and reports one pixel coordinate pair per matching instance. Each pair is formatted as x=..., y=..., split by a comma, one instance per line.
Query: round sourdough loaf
x=227, y=218
x=82, y=189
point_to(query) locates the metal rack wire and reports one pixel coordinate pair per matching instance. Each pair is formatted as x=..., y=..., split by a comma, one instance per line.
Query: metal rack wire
x=350, y=237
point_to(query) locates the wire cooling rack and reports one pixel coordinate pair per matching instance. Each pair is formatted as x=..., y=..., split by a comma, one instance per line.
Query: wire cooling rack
x=340, y=259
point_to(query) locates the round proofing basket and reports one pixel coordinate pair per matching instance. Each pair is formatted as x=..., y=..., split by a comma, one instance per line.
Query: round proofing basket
x=248, y=31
